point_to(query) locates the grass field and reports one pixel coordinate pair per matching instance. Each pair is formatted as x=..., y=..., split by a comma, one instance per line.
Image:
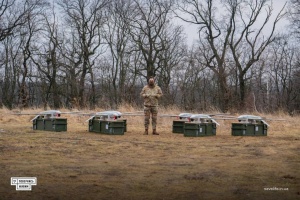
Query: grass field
x=78, y=164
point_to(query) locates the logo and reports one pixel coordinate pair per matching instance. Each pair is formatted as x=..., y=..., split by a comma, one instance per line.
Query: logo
x=23, y=183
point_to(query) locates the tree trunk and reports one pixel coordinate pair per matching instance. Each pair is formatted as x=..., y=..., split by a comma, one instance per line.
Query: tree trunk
x=242, y=91
x=82, y=99
x=224, y=94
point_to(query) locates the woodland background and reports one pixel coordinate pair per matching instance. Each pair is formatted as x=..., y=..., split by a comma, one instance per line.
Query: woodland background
x=99, y=53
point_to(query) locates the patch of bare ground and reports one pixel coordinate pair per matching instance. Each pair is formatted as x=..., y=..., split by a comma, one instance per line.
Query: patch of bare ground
x=78, y=164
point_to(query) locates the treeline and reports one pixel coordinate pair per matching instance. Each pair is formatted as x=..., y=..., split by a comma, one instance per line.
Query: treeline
x=99, y=53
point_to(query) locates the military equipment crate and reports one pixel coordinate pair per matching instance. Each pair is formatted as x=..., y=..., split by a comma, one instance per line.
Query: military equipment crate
x=243, y=129
x=178, y=126
x=249, y=125
x=54, y=124
x=192, y=129
x=116, y=127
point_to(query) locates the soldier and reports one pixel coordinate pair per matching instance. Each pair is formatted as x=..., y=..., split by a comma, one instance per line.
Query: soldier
x=151, y=93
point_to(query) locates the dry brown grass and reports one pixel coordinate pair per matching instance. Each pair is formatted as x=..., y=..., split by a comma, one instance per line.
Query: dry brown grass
x=78, y=164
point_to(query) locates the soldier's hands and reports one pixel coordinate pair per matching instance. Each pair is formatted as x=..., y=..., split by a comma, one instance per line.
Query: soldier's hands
x=150, y=95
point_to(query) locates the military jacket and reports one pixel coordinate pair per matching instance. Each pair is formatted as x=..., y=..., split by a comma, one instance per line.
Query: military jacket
x=151, y=95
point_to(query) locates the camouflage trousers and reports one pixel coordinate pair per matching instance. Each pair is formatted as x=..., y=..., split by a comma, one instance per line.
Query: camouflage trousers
x=148, y=110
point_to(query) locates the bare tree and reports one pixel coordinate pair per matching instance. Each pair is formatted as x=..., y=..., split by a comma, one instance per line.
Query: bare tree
x=147, y=23
x=85, y=19
x=118, y=41
x=71, y=61
x=13, y=14
x=283, y=68
x=10, y=63
x=295, y=107
x=230, y=29
x=168, y=60
x=18, y=21
x=190, y=83
x=26, y=35
x=294, y=16
x=47, y=59
x=203, y=15
x=247, y=43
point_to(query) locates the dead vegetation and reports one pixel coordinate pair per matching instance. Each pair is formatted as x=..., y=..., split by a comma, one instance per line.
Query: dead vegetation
x=78, y=164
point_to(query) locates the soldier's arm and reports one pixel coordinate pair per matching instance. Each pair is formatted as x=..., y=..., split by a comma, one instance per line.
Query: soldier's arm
x=159, y=93
x=143, y=93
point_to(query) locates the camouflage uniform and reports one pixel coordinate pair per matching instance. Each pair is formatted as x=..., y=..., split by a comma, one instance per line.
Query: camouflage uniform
x=151, y=94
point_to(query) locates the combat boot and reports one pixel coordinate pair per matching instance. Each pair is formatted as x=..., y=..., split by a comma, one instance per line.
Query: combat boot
x=146, y=132
x=154, y=132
